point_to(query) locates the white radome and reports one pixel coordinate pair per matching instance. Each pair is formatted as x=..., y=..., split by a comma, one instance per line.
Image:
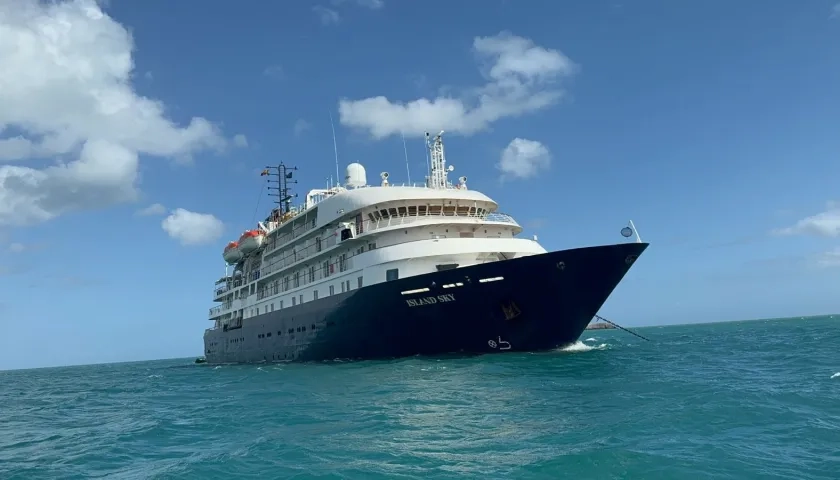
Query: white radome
x=355, y=176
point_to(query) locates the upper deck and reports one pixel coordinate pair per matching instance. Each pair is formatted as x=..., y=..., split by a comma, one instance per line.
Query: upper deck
x=349, y=202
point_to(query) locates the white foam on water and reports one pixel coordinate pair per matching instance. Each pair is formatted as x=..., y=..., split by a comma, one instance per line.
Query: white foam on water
x=836, y=375
x=582, y=347
x=590, y=339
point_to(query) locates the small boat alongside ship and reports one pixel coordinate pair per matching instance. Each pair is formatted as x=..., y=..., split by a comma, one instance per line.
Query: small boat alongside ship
x=364, y=271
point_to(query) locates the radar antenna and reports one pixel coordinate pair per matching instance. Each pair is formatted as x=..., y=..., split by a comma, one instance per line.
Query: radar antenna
x=279, y=185
x=439, y=171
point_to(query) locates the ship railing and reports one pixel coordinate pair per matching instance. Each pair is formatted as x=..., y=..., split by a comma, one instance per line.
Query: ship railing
x=230, y=285
x=414, y=217
x=278, y=241
x=220, y=308
x=313, y=246
x=450, y=186
x=500, y=217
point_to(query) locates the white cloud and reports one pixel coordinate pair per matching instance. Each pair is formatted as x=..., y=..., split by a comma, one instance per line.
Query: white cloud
x=66, y=94
x=240, y=140
x=328, y=16
x=835, y=11
x=154, y=209
x=371, y=4
x=17, y=247
x=524, y=158
x=521, y=77
x=829, y=259
x=301, y=126
x=191, y=228
x=824, y=224
x=274, y=71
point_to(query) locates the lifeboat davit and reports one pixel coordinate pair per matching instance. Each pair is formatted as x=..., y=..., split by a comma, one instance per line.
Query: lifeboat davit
x=232, y=254
x=251, y=241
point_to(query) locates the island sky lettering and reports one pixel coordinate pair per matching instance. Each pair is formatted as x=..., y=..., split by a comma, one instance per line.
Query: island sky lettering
x=416, y=302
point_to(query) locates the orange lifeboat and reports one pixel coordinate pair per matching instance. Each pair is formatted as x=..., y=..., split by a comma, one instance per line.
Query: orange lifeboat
x=251, y=241
x=232, y=254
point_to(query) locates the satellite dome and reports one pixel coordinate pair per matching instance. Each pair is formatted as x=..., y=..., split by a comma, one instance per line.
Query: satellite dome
x=355, y=176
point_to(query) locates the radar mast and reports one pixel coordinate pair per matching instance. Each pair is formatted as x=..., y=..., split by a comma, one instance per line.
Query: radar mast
x=279, y=187
x=438, y=178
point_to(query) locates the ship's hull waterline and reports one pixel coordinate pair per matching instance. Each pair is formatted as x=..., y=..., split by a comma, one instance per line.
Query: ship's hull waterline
x=533, y=303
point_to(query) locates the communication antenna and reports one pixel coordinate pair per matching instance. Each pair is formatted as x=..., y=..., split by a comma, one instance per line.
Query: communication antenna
x=428, y=164
x=335, y=147
x=405, y=150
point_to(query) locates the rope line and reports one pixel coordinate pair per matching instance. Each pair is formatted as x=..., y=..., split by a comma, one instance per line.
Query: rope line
x=620, y=327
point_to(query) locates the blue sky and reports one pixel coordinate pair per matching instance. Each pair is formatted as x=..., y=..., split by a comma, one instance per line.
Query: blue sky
x=713, y=125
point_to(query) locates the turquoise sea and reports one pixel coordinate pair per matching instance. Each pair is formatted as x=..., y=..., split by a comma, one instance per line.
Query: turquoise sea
x=741, y=400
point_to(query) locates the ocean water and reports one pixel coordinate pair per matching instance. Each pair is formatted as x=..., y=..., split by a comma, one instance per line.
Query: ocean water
x=743, y=400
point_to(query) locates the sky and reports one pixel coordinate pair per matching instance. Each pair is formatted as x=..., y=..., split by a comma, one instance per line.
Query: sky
x=132, y=135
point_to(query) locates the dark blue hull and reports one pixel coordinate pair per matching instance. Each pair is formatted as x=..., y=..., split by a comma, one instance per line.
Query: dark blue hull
x=534, y=303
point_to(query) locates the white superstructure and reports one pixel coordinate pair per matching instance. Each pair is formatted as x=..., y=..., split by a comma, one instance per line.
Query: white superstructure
x=347, y=237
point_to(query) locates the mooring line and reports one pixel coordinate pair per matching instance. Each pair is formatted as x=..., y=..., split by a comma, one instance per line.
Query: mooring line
x=620, y=327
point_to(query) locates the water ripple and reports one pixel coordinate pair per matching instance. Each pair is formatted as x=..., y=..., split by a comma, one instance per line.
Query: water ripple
x=724, y=401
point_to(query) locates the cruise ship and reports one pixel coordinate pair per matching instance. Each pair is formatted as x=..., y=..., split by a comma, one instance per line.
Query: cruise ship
x=383, y=271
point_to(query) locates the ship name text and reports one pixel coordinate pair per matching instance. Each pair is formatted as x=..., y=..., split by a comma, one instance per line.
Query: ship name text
x=416, y=302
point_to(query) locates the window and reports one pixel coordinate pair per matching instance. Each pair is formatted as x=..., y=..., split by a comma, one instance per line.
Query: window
x=315, y=295
x=325, y=269
x=360, y=282
x=294, y=301
x=285, y=283
x=301, y=298
x=342, y=262
x=312, y=273
x=342, y=286
x=332, y=289
x=297, y=279
x=272, y=306
x=317, y=244
x=392, y=274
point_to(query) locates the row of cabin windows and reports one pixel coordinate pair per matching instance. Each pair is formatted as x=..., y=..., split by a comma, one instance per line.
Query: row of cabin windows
x=291, y=331
x=345, y=287
x=421, y=210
